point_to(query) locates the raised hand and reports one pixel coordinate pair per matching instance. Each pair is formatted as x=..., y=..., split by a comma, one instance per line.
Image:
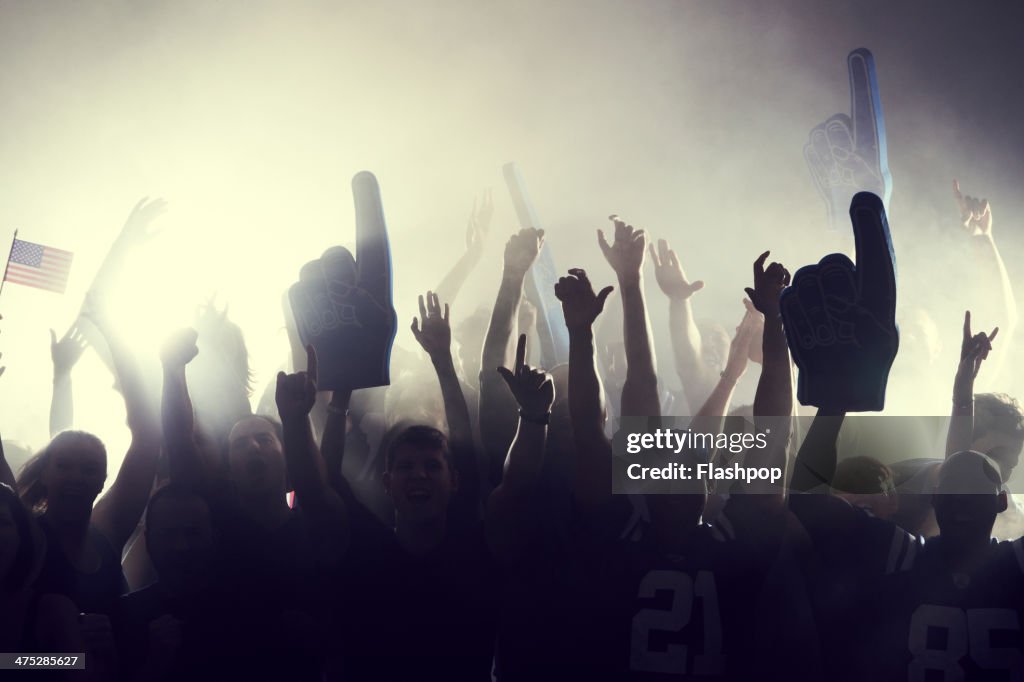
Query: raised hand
x=435, y=336
x=180, y=348
x=137, y=229
x=840, y=318
x=669, y=273
x=626, y=252
x=533, y=388
x=342, y=305
x=974, y=349
x=66, y=352
x=848, y=154
x=521, y=250
x=768, y=286
x=479, y=225
x=756, y=348
x=580, y=304
x=748, y=334
x=296, y=393
x=975, y=214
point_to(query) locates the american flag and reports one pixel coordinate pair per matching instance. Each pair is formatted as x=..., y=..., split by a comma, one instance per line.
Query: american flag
x=39, y=266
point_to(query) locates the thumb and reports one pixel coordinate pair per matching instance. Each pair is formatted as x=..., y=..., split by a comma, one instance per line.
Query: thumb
x=281, y=376
x=603, y=296
x=53, y=338
x=750, y=293
x=698, y=285
x=507, y=375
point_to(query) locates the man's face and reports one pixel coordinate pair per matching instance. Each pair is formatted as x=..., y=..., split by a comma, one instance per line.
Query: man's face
x=1004, y=448
x=180, y=540
x=967, y=519
x=256, y=457
x=420, y=483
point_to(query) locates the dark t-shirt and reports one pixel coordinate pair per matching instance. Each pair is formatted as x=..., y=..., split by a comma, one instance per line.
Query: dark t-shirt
x=95, y=592
x=406, y=617
x=211, y=648
x=273, y=582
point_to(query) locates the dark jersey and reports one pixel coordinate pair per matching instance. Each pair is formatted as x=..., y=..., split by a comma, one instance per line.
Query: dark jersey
x=649, y=616
x=853, y=550
x=405, y=617
x=931, y=623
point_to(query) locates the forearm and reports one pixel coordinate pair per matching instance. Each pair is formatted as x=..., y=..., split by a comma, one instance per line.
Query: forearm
x=687, y=349
x=497, y=406
x=460, y=429
x=507, y=504
x=593, y=452
x=62, y=411
x=183, y=457
x=993, y=262
x=774, y=395
x=710, y=416
x=305, y=467
x=961, y=422
x=332, y=444
x=773, y=407
x=640, y=390
x=816, y=461
x=460, y=435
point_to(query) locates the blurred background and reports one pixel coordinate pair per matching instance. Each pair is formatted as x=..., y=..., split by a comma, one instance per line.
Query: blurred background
x=687, y=118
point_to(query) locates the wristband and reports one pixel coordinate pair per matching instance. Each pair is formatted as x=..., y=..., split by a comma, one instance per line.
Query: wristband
x=543, y=420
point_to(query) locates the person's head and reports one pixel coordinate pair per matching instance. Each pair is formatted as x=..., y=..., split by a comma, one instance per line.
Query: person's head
x=419, y=474
x=683, y=509
x=219, y=378
x=66, y=476
x=17, y=542
x=998, y=430
x=865, y=482
x=179, y=537
x=256, y=461
x=967, y=498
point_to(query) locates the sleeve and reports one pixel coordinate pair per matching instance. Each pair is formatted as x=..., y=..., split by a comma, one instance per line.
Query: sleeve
x=850, y=538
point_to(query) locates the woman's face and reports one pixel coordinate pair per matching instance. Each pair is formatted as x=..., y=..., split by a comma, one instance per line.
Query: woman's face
x=9, y=541
x=74, y=476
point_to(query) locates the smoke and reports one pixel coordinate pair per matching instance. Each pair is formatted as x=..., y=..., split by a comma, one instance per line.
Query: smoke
x=686, y=118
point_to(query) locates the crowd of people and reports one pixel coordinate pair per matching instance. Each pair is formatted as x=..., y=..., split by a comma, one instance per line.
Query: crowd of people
x=470, y=533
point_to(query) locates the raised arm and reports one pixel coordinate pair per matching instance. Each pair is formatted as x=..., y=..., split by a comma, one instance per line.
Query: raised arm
x=976, y=219
x=694, y=373
x=974, y=349
x=773, y=400
x=295, y=397
x=435, y=337
x=497, y=406
x=716, y=407
x=476, y=235
x=65, y=354
x=507, y=505
x=626, y=256
x=592, y=483
x=118, y=512
x=183, y=455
